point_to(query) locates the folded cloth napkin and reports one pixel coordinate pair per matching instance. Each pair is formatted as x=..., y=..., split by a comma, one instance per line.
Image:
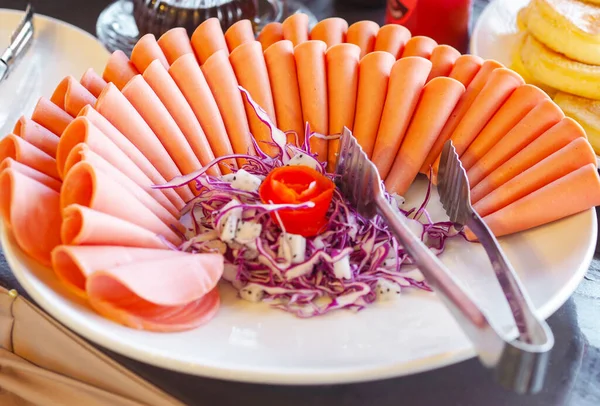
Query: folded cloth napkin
x=43, y=363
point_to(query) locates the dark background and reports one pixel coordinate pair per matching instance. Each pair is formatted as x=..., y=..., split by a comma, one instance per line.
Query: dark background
x=574, y=376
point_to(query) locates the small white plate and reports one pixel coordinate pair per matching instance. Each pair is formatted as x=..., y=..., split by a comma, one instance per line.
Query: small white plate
x=254, y=343
x=495, y=34
x=59, y=49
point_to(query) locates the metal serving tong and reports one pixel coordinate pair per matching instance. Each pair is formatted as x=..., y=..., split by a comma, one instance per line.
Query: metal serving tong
x=519, y=364
x=20, y=41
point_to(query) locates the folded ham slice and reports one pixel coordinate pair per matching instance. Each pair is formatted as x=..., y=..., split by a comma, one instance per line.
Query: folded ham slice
x=331, y=31
x=363, y=34
x=295, y=28
x=22, y=151
x=90, y=187
x=419, y=46
x=175, y=43
x=238, y=34
x=28, y=171
x=443, y=58
x=84, y=226
x=93, y=82
x=145, y=51
x=72, y=96
x=207, y=39
x=465, y=68
x=149, y=289
x=32, y=211
x=37, y=135
x=119, y=70
x=50, y=116
x=392, y=38
x=270, y=34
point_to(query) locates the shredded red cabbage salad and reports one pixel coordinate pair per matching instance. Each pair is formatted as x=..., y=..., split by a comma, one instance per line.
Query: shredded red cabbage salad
x=375, y=266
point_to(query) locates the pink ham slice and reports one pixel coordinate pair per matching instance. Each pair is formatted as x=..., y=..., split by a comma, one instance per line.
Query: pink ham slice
x=270, y=34
x=84, y=226
x=72, y=96
x=21, y=151
x=32, y=211
x=37, y=135
x=149, y=174
x=238, y=34
x=114, y=106
x=207, y=39
x=93, y=82
x=174, y=44
x=31, y=173
x=50, y=116
x=82, y=153
x=148, y=104
x=392, y=38
x=166, y=89
x=191, y=81
x=141, y=288
x=90, y=187
x=331, y=31
x=119, y=70
x=145, y=51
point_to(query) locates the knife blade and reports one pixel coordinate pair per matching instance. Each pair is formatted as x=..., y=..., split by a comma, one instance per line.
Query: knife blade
x=20, y=41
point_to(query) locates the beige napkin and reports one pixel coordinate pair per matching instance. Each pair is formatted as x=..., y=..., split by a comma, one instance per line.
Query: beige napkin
x=42, y=363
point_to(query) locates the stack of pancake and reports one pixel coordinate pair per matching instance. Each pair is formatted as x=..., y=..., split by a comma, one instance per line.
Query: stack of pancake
x=559, y=51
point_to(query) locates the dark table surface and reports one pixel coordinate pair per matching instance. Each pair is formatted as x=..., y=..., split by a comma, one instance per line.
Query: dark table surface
x=573, y=378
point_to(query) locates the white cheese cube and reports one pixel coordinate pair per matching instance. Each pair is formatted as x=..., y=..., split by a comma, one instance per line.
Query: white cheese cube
x=302, y=159
x=292, y=247
x=386, y=290
x=252, y=293
x=243, y=180
x=228, y=223
x=247, y=232
x=341, y=268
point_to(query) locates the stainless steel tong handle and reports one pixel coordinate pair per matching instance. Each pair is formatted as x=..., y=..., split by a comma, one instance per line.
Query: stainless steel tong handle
x=518, y=365
x=20, y=41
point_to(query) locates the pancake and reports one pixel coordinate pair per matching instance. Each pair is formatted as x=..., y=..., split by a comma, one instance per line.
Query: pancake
x=586, y=112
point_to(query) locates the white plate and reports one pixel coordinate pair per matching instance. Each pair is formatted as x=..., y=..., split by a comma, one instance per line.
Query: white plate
x=254, y=343
x=59, y=49
x=495, y=34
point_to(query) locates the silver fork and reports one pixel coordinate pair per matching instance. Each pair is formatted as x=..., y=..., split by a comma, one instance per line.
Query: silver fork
x=520, y=366
x=20, y=41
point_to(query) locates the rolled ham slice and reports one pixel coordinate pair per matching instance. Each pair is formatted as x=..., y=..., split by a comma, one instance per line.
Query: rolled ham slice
x=224, y=87
x=84, y=226
x=130, y=285
x=331, y=31
x=363, y=34
x=37, y=135
x=30, y=173
x=174, y=44
x=548, y=204
x=465, y=68
x=281, y=67
x=238, y=34
x=342, y=90
x=500, y=85
x=419, y=46
x=148, y=104
x=82, y=153
x=115, y=107
x=546, y=144
x=207, y=39
x=22, y=151
x=575, y=155
x=93, y=82
x=437, y=102
x=521, y=102
x=191, y=81
x=119, y=70
x=392, y=38
x=295, y=28
x=116, y=150
x=373, y=78
x=312, y=78
x=71, y=96
x=406, y=83
x=461, y=109
x=534, y=124
x=92, y=188
x=145, y=51
x=443, y=58
x=169, y=94
x=250, y=68
x=270, y=34
x=50, y=116
x=31, y=210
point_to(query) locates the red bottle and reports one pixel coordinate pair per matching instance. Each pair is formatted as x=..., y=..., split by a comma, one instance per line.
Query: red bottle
x=446, y=21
